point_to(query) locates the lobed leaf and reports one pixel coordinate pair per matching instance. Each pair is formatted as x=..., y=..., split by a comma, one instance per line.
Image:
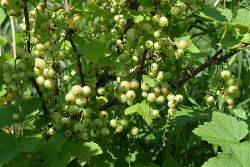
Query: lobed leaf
x=239, y=155
x=146, y=3
x=10, y=146
x=95, y=50
x=142, y=109
x=222, y=130
x=243, y=17
x=230, y=41
x=170, y=162
x=3, y=15
x=82, y=150
x=216, y=14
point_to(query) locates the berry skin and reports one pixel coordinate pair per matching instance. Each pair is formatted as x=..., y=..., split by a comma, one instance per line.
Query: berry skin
x=151, y=97
x=145, y=86
x=122, y=98
x=171, y=112
x=6, y=66
x=113, y=123
x=84, y=136
x=124, y=121
x=15, y=116
x=68, y=133
x=130, y=94
x=134, y=131
x=70, y=98
x=209, y=99
x=87, y=122
x=65, y=122
x=178, y=98
x=76, y=90
x=160, y=99
x=125, y=85
x=103, y=115
x=79, y=128
x=171, y=104
x=104, y=131
x=163, y=21
x=97, y=123
x=119, y=129
x=225, y=74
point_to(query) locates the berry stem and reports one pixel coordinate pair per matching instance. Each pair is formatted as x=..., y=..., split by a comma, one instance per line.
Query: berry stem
x=13, y=35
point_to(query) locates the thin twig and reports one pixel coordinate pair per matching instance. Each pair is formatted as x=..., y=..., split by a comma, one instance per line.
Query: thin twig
x=26, y=14
x=78, y=61
x=142, y=65
x=211, y=61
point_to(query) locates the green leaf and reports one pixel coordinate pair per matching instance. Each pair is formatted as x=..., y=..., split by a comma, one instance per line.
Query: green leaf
x=145, y=112
x=222, y=130
x=78, y=40
x=19, y=161
x=192, y=48
x=30, y=107
x=62, y=159
x=193, y=140
x=152, y=82
x=3, y=15
x=239, y=156
x=51, y=149
x=103, y=160
x=96, y=11
x=216, y=14
x=178, y=29
x=222, y=160
x=3, y=40
x=146, y=3
x=230, y=41
x=10, y=146
x=110, y=60
x=95, y=50
x=82, y=150
x=243, y=17
x=60, y=98
x=4, y=58
x=142, y=109
x=132, y=109
x=6, y=114
x=183, y=117
x=152, y=165
x=135, y=15
x=239, y=112
x=170, y=162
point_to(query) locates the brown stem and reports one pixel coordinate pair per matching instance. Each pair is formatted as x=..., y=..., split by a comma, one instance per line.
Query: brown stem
x=212, y=60
x=26, y=15
x=40, y=94
x=112, y=102
x=142, y=65
x=78, y=61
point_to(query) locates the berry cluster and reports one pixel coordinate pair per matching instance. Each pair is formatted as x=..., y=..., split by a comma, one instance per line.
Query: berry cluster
x=13, y=7
x=229, y=87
